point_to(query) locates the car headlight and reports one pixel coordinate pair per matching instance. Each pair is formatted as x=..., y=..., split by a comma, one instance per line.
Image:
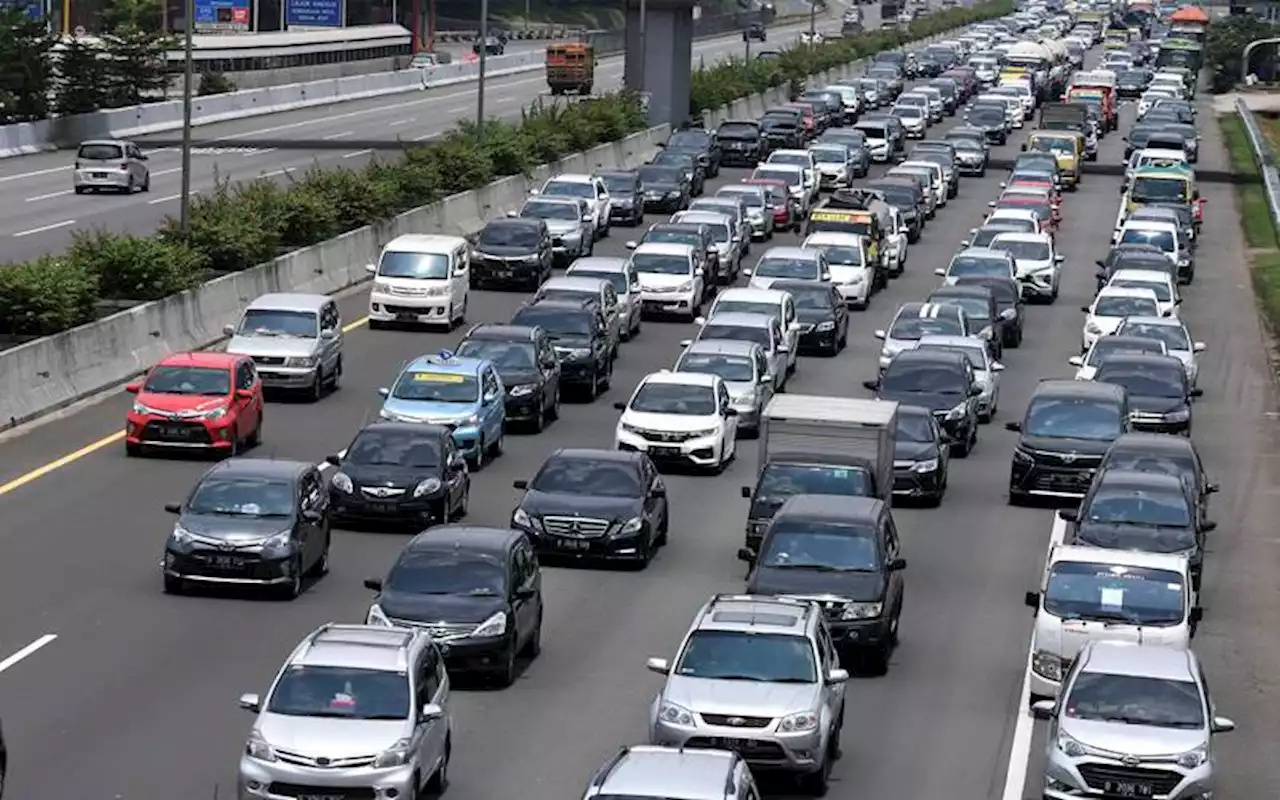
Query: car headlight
x=672, y=195
x=470, y=421
x=493, y=626
x=744, y=399
x=524, y=390
x=700, y=434
x=437, y=291
x=578, y=353
x=629, y=428
x=215, y=413
x=1193, y=758
x=958, y=412
x=799, y=722
x=1178, y=415
x=1070, y=747
x=342, y=483
x=521, y=518
x=181, y=536
x=376, y=616
x=140, y=409
x=257, y=747
x=572, y=236
x=1022, y=458
x=301, y=361
x=632, y=525
x=427, y=486
x=675, y=715
x=926, y=466
x=1092, y=328
x=861, y=610
x=687, y=286
x=1046, y=665
x=280, y=541
x=397, y=755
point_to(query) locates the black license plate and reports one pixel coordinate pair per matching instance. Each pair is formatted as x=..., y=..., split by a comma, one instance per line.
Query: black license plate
x=176, y=431
x=576, y=545
x=1128, y=789
x=227, y=562
x=407, y=316
x=726, y=743
x=321, y=797
x=665, y=452
x=101, y=175
x=382, y=508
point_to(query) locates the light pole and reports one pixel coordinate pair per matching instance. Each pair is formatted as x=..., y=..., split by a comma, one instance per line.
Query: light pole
x=187, y=80
x=484, y=46
x=644, y=21
x=813, y=20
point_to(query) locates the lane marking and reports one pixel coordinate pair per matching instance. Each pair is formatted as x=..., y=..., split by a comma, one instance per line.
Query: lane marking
x=169, y=171
x=27, y=651
x=51, y=227
x=170, y=198
x=253, y=153
x=333, y=136
x=399, y=122
x=357, y=154
x=48, y=196
x=276, y=172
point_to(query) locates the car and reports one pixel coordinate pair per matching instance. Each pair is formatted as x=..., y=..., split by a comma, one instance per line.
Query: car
x=477, y=591
x=626, y=196
x=647, y=772
x=914, y=320
x=821, y=314
x=607, y=505
x=743, y=366
x=735, y=208
x=665, y=187
x=1163, y=285
x=1063, y=437
x=914, y=119
x=695, y=173
x=1132, y=256
x=196, y=401
x=835, y=163
x=794, y=681
x=421, y=279
x=742, y=142
x=570, y=222
x=847, y=551
x=1087, y=366
x=780, y=130
x=465, y=394
x=528, y=365
x=755, y=201
x=1159, y=394
x=380, y=691
x=256, y=522
x=788, y=263
x=773, y=302
x=580, y=335
x=1170, y=236
x=1156, y=452
x=1090, y=594
x=110, y=165
x=490, y=46
x=921, y=456
x=764, y=329
x=847, y=264
x=575, y=287
x=671, y=279
x=398, y=472
x=942, y=381
x=728, y=238
x=802, y=197
x=710, y=242
x=1038, y=264
x=1167, y=710
x=851, y=101
x=512, y=253
x=975, y=261
x=944, y=156
x=1110, y=308
x=294, y=339
x=986, y=370
x=1173, y=332
x=983, y=310
x=802, y=160
x=621, y=274
x=576, y=186
x=680, y=417
x=701, y=144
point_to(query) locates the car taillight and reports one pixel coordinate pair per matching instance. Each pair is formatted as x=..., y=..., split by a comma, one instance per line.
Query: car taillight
x=124, y=167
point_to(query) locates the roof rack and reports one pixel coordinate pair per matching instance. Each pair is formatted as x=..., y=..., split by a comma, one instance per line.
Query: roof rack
x=858, y=199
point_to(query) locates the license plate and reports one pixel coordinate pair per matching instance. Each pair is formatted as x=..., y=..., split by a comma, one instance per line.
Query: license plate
x=726, y=743
x=101, y=175
x=407, y=316
x=1128, y=789
x=176, y=431
x=320, y=797
x=573, y=544
x=228, y=562
x=382, y=508
x=665, y=451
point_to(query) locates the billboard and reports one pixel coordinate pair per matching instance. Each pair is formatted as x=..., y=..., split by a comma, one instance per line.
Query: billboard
x=315, y=13
x=33, y=9
x=222, y=16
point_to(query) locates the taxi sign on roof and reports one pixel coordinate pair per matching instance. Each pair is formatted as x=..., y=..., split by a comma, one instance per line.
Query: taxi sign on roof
x=838, y=215
x=437, y=377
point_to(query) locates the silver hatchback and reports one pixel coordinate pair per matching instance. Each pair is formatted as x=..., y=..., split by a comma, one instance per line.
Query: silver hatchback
x=295, y=341
x=110, y=165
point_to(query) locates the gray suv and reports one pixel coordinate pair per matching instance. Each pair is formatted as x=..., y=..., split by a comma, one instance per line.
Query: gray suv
x=646, y=772
x=759, y=676
x=356, y=711
x=1131, y=721
x=295, y=341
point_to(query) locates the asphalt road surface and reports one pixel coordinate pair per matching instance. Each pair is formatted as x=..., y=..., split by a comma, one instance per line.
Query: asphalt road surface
x=135, y=697
x=44, y=212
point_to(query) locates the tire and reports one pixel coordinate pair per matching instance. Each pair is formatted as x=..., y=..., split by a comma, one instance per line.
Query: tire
x=316, y=392
x=540, y=421
x=146, y=183
x=817, y=783
x=506, y=674
x=255, y=438
x=335, y=379
x=664, y=529
x=440, y=780
x=291, y=590
x=321, y=567
x=477, y=462
x=876, y=659
x=533, y=648
x=496, y=448
x=133, y=450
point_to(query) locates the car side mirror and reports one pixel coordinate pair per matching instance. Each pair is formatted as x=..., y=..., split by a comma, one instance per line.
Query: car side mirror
x=1015, y=427
x=511, y=215
x=658, y=491
x=940, y=272
x=521, y=485
x=370, y=268
x=244, y=394
x=1212, y=488
x=686, y=342
x=659, y=665
x=384, y=391
x=1209, y=526
x=880, y=334
x=731, y=412
x=1222, y=725
x=620, y=405
x=490, y=398
x=173, y=508
x=229, y=330
x=1059, y=259
x=133, y=387
x=871, y=386
x=1043, y=709
x=1076, y=361
x=746, y=554
x=1198, y=347
x=793, y=327
x=699, y=321
x=250, y=702
x=373, y=584
x=837, y=676
x=1196, y=614
x=1069, y=514
x=746, y=492
x=897, y=565
x=1196, y=392
x=1032, y=599
x=996, y=366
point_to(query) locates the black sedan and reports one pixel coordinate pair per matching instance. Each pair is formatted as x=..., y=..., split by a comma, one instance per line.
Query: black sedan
x=666, y=188
x=940, y=381
x=526, y=360
x=822, y=314
x=741, y=143
x=512, y=252
x=921, y=456
x=1159, y=393
x=626, y=196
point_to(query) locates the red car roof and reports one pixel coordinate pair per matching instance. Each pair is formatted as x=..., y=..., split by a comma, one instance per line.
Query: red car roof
x=200, y=359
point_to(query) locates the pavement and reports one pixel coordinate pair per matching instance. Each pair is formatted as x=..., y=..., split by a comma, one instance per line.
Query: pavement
x=44, y=212
x=110, y=689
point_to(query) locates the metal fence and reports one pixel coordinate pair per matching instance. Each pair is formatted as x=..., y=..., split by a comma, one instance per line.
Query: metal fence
x=1265, y=161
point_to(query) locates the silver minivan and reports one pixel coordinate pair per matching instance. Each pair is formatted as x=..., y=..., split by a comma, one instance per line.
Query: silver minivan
x=621, y=274
x=295, y=340
x=110, y=165
x=649, y=772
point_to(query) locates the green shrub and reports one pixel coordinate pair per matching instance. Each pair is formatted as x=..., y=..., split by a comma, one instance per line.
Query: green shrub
x=215, y=83
x=136, y=267
x=46, y=296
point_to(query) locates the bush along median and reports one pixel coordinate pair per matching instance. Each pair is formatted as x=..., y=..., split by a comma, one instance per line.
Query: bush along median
x=236, y=226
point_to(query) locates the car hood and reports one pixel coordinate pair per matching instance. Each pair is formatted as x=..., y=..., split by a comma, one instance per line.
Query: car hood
x=747, y=698
x=438, y=608
x=233, y=529
x=740, y=388
x=660, y=186
x=847, y=273
x=427, y=411
x=1067, y=637
x=1026, y=266
x=662, y=280
x=862, y=587
x=761, y=282
x=561, y=227
x=1137, y=740
x=494, y=251
x=285, y=346
x=390, y=476
x=517, y=377
x=813, y=316
x=1055, y=444
x=333, y=738
x=679, y=423
x=537, y=503
x=933, y=402
x=1155, y=405
x=181, y=404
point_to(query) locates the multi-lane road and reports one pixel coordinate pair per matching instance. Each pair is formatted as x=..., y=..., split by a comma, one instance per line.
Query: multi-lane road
x=135, y=697
x=44, y=213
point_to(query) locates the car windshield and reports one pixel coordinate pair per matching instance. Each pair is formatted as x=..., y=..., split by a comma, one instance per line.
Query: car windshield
x=575, y=189
x=1161, y=289
x=561, y=211
x=696, y=140
x=1156, y=190
x=655, y=174
x=1043, y=144
x=965, y=144
x=518, y=355
x=987, y=115
x=839, y=255
x=556, y=321
x=675, y=398
x=520, y=235
x=910, y=326
x=874, y=131
x=792, y=159
x=770, y=308
x=738, y=369
x=1137, y=595
x=343, y=692
x=902, y=377
x=400, y=448
x=784, y=480
x=1133, y=506
x=813, y=298
x=621, y=184
x=720, y=232
x=744, y=655
x=243, y=497
x=1135, y=700
x=978, y=265
x=1175, y=337
x=437, y=387
x=977, y=356
x=1162, y=239
x=778, y=267
x=451, y=571
x=976, y=308
x=751, y=199
x=1070, y=418
x=661, y=264
x=737, y=130
x=914, y=428
x=823, y=546
x=1132, y=76
x=736, y=333
x=691, y=238
x=829, y=155
x=202, y=381
x=1022, y=250
x=272, y=322
x=419, y=266
x=914, y=112
x=985, y=236
x=1144, y=382
x=100, y=152
x=588, y=476
x=1018, y=223
x=1111, y=305
x=617, y=280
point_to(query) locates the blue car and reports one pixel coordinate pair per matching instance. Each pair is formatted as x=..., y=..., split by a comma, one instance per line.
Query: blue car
x=465, y=394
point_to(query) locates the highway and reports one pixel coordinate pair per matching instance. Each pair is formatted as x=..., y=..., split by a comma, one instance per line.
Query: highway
x=135, y=697
x=45, y=212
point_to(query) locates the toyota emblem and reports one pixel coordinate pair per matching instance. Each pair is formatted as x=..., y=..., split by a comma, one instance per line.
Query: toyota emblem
x=736, y=722
x=1131, y=761
x=323, y=762
x=1068, y=458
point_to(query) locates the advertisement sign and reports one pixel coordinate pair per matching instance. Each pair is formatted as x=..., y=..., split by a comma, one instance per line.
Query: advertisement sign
x=33, y=10
x=223, y=16
x=315, y=13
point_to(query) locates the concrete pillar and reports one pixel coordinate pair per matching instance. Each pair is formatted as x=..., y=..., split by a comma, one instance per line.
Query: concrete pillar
x=665, y=63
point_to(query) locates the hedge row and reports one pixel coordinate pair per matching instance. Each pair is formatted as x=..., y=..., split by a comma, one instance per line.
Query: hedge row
x=240, y=225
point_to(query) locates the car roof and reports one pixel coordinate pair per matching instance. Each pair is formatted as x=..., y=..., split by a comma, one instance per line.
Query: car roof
x=569, y=177
x=1121, y=341
x=831, y=508
x=417, y=429
x=934, y=356
x=290, y=301
x=756, y=613
x=742, y=319
x=1079, y=554
x=681, y=378
x=727, y=347
x=1152, y=442
x=790, y=252
x=585, y=282
x=961, y=290
x=798, y=285
x=924, y=309
x=1125, y=291
x=665, y=248
x=457, y=365
x=1142, y=360
x=655, y=771
x=463, y=537
x=493, y=331
x=425, y=243
x=278, y=468
x=201, y=358
x=1067, y=387
x=1145, y=661
x=751, y=294
x=940, y=340
x=515, y=222
x=598, y=263
x=1023, y=236
x=985, y=252
x=1152, y=275
x=356, y=646
x=1170, y=322
x=598, y=454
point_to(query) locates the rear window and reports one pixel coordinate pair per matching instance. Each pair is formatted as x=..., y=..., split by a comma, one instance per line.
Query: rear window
x=100, y=152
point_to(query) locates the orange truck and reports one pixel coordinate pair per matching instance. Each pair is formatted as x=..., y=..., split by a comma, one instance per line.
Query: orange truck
x=571, y=67
x=1104, y=92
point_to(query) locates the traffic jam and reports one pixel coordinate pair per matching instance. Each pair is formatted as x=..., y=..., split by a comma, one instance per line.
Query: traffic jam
x=770, y=241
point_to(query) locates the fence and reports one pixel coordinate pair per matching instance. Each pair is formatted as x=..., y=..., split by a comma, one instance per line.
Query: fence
x=1264, y=159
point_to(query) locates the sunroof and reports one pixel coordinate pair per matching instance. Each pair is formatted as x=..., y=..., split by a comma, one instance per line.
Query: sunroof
x=744, y=618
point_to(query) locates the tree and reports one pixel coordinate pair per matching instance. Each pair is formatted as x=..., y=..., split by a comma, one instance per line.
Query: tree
x=134, y=67
x=26, y=49
x=1225, y=44
x=78, y=87
x=144, y=15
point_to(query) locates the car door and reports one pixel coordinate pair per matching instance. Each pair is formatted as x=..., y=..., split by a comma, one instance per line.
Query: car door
x=311, y=511
x=783, y=335
x=549, y=364
x=493, y=407
x=829, y=659
x=764, y=377
x=430, y=687
x=248, y=409
x=609, y=302
x=137, y=163
x=892, y=549
x=777, y=356
x=655, y=502
x=460, y=278
x=525, y=597
x=455, y=472
x=842, y=313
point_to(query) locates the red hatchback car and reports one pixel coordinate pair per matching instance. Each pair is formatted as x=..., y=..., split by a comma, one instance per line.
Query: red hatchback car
x=196, y=401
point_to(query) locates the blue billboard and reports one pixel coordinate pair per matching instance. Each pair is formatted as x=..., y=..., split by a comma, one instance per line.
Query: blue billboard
x=224, y=15
x=315, y=13
x=34, y=10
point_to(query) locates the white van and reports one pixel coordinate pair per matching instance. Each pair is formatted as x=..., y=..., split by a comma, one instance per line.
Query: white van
x=421, y=279
x=1090, y=594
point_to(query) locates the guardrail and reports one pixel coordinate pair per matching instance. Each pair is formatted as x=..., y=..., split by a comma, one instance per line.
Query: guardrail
x=1264, y=159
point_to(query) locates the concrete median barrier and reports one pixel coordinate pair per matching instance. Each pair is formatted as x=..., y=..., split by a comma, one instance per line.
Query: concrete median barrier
x=53, y=372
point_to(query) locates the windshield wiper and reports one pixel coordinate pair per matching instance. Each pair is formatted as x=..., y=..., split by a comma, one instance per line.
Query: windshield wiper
x=377, y=717
x=819, y=567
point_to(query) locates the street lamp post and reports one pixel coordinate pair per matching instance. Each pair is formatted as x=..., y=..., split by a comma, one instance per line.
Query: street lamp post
x=644, y=22
x=187, y=80
x=484, y=46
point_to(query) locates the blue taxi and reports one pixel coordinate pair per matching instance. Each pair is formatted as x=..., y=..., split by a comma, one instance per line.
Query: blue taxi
x=464, y=393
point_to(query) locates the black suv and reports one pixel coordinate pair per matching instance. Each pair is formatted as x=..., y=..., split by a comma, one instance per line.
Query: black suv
x=822, y=314
x=1008, y=296
x=402, y=472
x=1066, y=432
x=511, y=252
x=940, y=381
x=478, y=591
x=980, y=306
x=1160, y=395
x=741, y=142
x=526, y=359
x=846, y=551
x=595, y=504
x=700, y=144
x=786, y=475
x=580, y=336
x=666, y=188
x=626, y=196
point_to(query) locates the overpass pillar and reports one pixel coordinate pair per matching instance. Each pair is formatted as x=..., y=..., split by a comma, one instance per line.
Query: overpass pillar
x=658, y=62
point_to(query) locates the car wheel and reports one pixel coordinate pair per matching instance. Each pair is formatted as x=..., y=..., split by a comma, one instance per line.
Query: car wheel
x=292, y=589
x=496, y=448
x=506, y=674
x=440, y=781
x=875, y=660
x=316, y=392
x=477, y=462
x=132, y=450
x=255, y=438
x=335, y=379
x=321, y=567
x=817, y=783
x=663, y=530
x=608, y=379
x=542, y=418
x=534, y=648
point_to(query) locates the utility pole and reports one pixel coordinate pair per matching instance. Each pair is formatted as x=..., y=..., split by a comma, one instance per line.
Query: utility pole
x=644, y=44
x=187, y=80
x=813, y=20
x=484, y=46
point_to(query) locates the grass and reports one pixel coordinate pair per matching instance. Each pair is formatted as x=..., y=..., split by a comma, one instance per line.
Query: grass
x=1255, y=219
